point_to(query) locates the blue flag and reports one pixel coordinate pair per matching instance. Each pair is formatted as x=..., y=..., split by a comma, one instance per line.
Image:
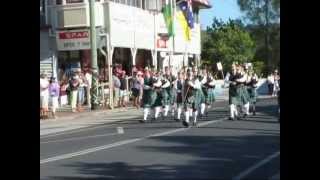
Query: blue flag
x=186, y=7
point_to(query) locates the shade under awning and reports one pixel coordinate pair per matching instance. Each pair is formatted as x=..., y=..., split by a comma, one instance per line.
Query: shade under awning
x=202, y=4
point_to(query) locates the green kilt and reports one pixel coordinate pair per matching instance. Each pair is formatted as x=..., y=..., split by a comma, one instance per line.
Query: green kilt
x=210, y=97
x=233, y=95
x=243, y=95
x=158, y=98
x=165, y=96
x=252, y=94
x=172, y=96
x=199, y=98
x=148, y=98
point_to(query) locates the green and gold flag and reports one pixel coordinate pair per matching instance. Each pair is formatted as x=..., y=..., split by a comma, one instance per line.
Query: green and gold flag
x=168, y=17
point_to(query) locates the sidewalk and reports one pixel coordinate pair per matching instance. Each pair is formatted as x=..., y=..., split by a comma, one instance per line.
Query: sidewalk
x=71, y=121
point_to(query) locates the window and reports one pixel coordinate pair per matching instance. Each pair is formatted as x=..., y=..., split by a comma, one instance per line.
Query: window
x=74, y=1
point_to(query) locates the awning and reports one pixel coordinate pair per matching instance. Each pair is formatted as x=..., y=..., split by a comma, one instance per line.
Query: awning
x=202, y=4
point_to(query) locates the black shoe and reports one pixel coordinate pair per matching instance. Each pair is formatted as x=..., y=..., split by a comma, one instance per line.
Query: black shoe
x=142, y=121
x=185, y=124
x=231, y=119
x=176, y=119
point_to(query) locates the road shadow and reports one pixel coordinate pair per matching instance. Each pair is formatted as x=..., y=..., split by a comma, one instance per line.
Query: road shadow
x=214, y=157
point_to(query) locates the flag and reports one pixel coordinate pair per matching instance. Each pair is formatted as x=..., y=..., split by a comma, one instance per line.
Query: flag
x=186, y=7
x=167, y=13
x=184, y=24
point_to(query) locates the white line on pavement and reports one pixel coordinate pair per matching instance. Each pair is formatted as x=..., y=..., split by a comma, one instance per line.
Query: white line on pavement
x=254, y=167
x=79, y=138
x=76, y=130
x=99, y=148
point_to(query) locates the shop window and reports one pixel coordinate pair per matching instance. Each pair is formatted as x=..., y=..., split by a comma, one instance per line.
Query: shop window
x=74, y=1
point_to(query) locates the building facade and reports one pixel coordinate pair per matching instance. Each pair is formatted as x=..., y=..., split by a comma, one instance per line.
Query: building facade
x=132, y=32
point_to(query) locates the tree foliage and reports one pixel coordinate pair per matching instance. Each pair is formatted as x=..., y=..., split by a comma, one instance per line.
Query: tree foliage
x=227, y=43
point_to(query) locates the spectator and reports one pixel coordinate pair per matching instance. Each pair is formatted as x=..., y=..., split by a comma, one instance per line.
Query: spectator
x=136, y=86
x=116, y=89
x=88, y=77
x=74, y=85
x=54, y=90
x=81, y=90
x=63, y=92
x=44, y=96
x=123, y=89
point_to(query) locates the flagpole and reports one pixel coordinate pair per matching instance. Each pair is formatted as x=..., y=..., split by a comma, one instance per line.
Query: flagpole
x=172, y=6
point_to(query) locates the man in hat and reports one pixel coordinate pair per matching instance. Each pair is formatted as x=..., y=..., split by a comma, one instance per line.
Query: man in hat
x=191, y=102
x=233, y=96
x=179, y=89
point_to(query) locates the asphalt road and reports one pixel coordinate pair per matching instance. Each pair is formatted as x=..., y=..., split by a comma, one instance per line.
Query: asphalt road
x=218, y=149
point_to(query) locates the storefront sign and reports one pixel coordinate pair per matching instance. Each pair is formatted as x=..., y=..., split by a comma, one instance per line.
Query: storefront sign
x=73, y=40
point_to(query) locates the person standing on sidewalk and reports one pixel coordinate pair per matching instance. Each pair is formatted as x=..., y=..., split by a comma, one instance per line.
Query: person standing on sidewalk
x=54, y=90
x=116, y=89
x=44, y=96
x=136, y=88
x=74, y=85
x=81, y=90
x=123, y=89
x=88, y=77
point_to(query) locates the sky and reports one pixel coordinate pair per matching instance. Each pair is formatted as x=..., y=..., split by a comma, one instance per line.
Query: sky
x=221, y=9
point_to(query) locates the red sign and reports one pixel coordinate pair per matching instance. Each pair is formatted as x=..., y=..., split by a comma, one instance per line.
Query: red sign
x=161, y=43
x=73, y=35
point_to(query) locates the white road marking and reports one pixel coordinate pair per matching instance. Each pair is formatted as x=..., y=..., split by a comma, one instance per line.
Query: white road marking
x=120, y=143
x=254, y=167
x=79, y=138
x=76, y=130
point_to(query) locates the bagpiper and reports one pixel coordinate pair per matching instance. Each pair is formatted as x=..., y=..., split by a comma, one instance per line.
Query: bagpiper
x=210, y=85
x=251, y=87
x=147, y=96
x=168, y=91
x=192, y=86
x=233, y=96
x=179, y=89
x=159, y=84
x=242, y=93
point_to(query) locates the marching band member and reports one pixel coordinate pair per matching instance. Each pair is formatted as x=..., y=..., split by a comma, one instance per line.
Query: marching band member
x=242, y=90
x=251, y=87
x=179, y=89
x=210, y=90
x=168, y=91
x=203, y=80
x=233, y=100
x=158, y=85
x=147, y=95
x=191, y=101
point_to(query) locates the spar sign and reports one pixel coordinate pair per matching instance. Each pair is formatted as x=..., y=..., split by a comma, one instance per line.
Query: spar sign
x=73, y=40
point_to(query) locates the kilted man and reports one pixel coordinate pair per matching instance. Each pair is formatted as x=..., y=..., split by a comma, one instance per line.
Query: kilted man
x=251, y=87
x=192, y=101
x=233, y=96
x=210, y=85
x=203, y=80
x=179, y=89
x=242, y=92
x=158, y=94
x=147, y=96
x=168, y=91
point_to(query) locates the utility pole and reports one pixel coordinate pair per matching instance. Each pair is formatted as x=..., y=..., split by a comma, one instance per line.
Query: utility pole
x=94, y=64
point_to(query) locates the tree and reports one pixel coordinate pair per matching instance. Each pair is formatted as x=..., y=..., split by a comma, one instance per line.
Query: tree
x=263, y=14
x=228, y=43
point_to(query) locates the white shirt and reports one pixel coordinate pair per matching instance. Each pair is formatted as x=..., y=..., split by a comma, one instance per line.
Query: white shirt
x=89, y=78
x=44, y=83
